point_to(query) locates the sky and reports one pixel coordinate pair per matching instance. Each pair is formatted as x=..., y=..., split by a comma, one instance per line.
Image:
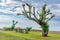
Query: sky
x=9, y=9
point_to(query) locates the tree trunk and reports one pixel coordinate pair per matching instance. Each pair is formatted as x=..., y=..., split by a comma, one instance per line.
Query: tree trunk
x=44, y=33
x=45, y=28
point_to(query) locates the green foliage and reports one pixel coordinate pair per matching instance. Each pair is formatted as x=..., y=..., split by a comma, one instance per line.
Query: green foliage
x=45, y=27
x=43, y=15
x=28, y=29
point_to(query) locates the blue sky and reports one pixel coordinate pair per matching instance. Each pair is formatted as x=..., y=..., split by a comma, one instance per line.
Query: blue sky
x=9, y=9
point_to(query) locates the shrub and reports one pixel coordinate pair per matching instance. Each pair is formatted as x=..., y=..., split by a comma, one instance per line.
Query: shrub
x=28, y=29
x=7, y=28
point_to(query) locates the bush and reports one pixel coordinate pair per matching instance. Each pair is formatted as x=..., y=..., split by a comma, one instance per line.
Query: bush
x=19, y=30
x=6, y=28
x=28, y=29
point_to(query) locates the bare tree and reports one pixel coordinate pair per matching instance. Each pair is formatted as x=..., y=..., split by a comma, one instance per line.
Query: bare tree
x=42, y=20
x=13, y=25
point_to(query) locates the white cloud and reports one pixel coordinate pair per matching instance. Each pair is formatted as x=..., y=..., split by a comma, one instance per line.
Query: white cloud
x=56, y=12
x=54, y=25
x=55, y=9
x=6, y=21
x=4, y=18
x=9, y=5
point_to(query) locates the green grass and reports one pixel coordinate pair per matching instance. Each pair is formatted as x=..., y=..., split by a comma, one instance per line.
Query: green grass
x=11, y=35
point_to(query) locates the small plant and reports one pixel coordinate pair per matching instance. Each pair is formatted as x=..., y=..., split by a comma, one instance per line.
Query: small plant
x=13, y=25
x=28, y=29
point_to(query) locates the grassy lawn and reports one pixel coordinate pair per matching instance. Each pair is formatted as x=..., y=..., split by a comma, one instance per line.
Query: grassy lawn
x=11, y=35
